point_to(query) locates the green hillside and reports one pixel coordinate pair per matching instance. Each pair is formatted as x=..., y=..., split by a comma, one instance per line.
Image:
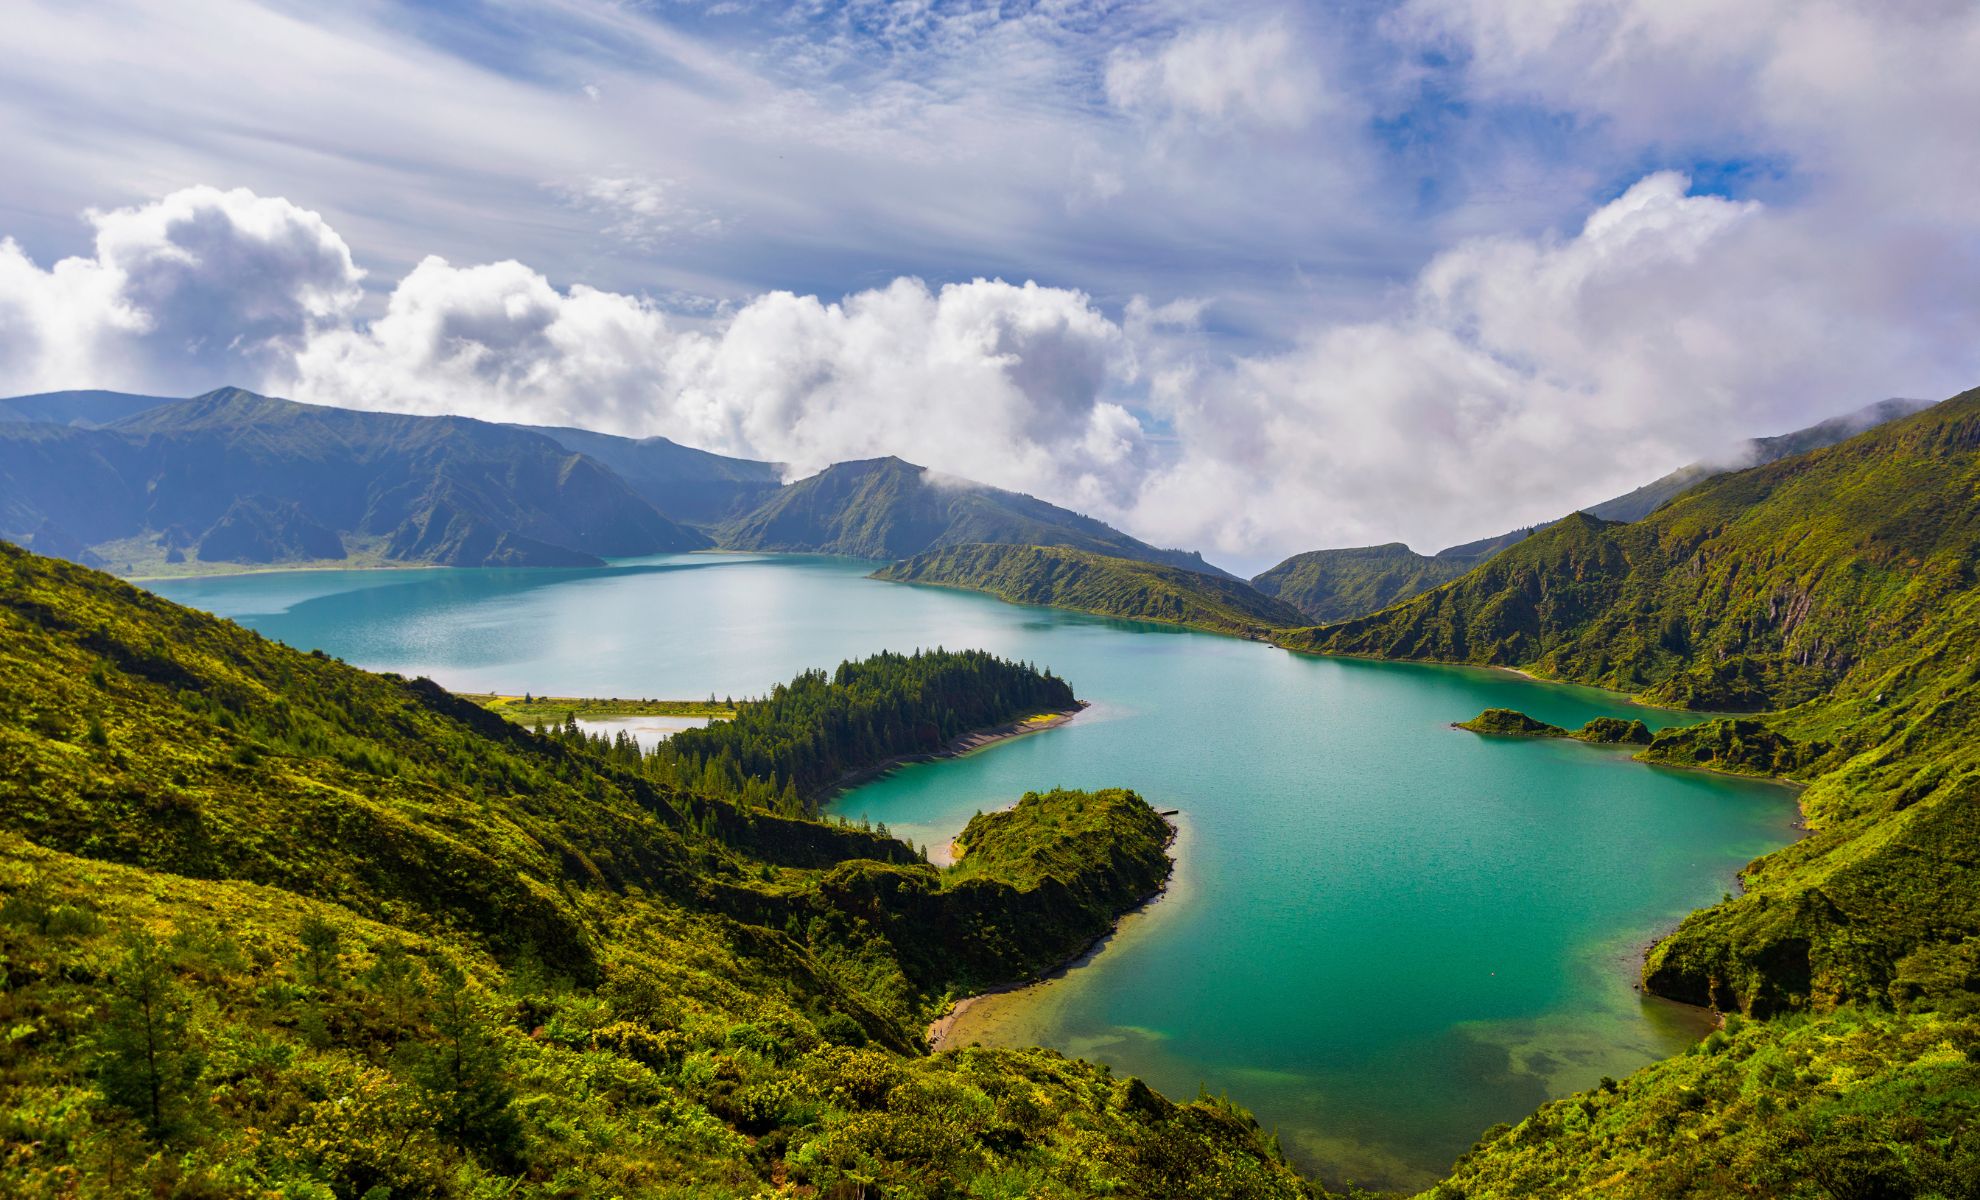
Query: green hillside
x=232, y=477
x=271, y=925
x=1641, y=502
x=1333, y=585
x=886, y=508
x=1058, y=577
x=1834, y=594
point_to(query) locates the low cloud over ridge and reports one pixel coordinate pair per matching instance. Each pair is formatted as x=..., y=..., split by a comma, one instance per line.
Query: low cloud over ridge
x=1516, y=378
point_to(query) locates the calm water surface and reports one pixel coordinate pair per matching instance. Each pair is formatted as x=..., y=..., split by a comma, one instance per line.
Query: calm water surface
x=1385, y=934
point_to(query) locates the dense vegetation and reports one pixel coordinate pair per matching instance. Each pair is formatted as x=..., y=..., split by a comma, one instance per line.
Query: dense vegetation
x=790, y=748
x=235, y=477
x=1333, y=585
x=271, y=925
x=1057, y=577
x=886, y=508
x=1854, y=1105
x=1510, y=722
x=1640, y=503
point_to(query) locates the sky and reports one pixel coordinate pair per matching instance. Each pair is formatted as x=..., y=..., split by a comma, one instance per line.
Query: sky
x=1247, y=278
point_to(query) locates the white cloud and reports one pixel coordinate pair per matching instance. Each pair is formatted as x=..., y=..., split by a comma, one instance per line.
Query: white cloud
x=1220, y=75
x=984, y=379
x=640, y=210
x=186, y=292
x=1525, y=377
x=1518, y=377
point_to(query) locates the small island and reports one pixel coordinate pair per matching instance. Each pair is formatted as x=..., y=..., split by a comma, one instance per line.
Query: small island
x=1602, y=731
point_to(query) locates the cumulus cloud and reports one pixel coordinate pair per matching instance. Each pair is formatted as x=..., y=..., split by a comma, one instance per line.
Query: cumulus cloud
x=985, y=379
x=1514, y=379
x=1525, y=377
x=186, y=292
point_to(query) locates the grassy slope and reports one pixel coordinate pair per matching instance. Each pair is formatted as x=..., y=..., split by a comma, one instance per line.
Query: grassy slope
x=673, y=1008
x=1058, y=577
x=1334, y=585
x=1855, y=1104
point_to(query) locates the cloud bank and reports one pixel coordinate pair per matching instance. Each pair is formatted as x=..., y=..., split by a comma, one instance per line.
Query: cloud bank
x=1517, y=378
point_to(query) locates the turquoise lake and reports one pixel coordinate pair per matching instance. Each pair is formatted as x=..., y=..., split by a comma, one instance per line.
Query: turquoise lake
x=1385, y=934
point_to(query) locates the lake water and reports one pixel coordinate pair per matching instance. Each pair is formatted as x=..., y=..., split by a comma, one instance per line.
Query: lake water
x=1385, y=934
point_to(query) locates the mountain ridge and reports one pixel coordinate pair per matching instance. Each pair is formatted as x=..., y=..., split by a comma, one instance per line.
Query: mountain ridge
x=446, y=490
x=888, y=508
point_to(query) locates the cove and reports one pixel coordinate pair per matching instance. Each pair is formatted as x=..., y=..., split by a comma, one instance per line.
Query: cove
x=1385, y=934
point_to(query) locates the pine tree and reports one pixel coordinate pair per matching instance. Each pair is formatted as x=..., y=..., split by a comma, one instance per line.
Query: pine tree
x=462, y=1070
x=144, y=1061
x=396, y=977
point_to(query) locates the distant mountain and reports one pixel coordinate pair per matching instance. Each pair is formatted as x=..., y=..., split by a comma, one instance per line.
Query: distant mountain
x=1058, y=577
x=1754, y=452
x=689, y=485
x=1333, y=585
x=887, y=508
x=1338, y=585
x=237, y=477
x=85, y=408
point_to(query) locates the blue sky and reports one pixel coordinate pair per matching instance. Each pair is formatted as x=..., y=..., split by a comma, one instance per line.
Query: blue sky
x=1306, y=274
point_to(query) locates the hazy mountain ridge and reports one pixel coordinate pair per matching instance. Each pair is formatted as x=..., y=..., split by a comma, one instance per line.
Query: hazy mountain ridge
x=692, y=486
x=885, y=508
x=447, y=490
x=1061, y=577
x=89, y=408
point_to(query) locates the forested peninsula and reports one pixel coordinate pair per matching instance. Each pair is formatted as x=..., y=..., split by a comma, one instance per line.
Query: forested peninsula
x=1058, y=577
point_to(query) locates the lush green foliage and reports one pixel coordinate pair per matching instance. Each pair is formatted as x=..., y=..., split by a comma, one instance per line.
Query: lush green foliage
x=1847, y=1106
x=886, y=508
x=270, y=925
x=1510, y=722
x=790, y=748
x=1057, y=577
x=1333, y=585
x=1640, y=503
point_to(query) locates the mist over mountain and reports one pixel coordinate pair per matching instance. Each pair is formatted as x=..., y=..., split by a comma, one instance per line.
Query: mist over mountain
x=1335, y=585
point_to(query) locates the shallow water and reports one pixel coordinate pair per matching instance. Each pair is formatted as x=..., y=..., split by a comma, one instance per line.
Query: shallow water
x=1385, y=934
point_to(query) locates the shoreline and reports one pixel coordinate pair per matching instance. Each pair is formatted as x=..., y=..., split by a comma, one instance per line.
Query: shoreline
x=1263, y=634
x=957, y=747
x=330, y=564
x=939, y=1030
